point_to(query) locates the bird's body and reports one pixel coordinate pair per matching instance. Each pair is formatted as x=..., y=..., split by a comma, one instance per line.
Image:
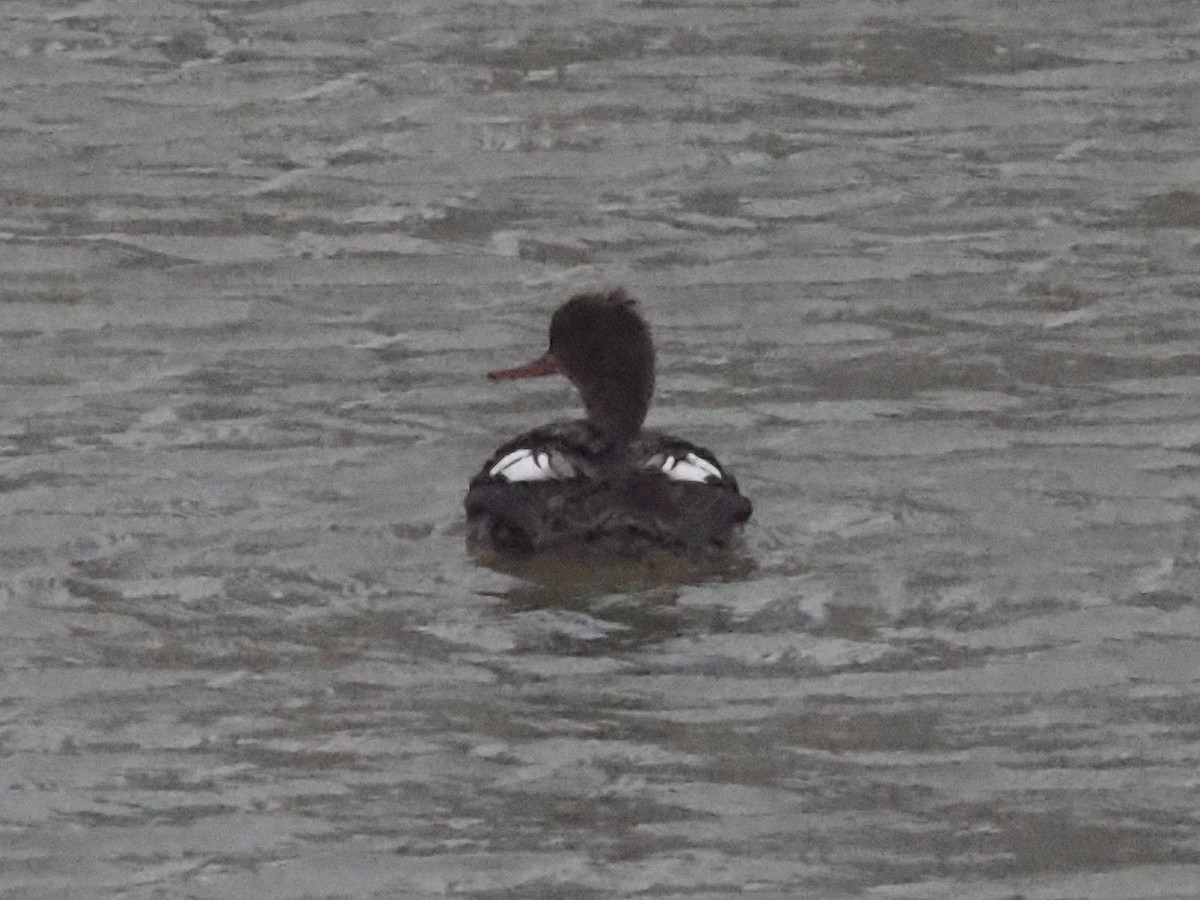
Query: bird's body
x=602, y=483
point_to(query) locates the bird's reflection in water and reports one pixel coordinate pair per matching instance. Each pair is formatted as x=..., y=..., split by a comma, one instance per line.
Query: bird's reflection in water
x=638, y=594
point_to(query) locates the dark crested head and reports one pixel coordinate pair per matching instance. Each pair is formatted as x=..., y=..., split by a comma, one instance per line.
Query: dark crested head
x=601, y=343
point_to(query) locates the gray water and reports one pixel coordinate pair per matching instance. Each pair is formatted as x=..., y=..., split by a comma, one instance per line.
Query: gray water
x=923, y=274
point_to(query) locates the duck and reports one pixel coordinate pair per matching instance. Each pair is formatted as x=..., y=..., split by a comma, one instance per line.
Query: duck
x=602, y=483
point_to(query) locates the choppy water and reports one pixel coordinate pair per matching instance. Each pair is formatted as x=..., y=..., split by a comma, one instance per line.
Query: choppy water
x=923, y=274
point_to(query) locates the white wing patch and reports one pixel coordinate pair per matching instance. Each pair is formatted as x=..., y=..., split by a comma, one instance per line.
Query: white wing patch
x=689, y=468
x=528, y=464
x=532, y=465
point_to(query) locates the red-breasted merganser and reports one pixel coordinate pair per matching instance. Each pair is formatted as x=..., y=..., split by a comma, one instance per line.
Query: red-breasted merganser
x=601, y=482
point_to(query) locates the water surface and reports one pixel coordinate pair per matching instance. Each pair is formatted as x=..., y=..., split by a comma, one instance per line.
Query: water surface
x=924, y=275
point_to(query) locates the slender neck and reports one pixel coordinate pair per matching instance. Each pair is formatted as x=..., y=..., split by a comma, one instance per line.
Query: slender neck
x=618, y=407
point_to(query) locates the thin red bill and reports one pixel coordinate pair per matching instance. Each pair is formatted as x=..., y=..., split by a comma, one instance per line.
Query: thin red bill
x=545, y=365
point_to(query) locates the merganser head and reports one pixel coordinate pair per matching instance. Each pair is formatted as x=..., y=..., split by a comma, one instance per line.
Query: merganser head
x=601, y=343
